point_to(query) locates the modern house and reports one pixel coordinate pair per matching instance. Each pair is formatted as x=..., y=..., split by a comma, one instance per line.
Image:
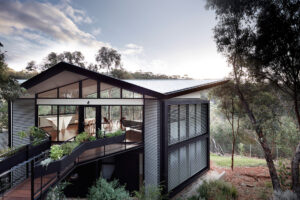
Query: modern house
x=165, y=124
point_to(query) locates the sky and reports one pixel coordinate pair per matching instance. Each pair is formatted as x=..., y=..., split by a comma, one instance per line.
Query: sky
x=173, y=37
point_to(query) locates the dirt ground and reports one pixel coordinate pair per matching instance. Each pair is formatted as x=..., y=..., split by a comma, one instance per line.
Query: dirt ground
x=251, y=182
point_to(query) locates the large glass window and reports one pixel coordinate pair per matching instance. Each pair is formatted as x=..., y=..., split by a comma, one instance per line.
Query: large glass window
x=89, y=88
x=126, y=94
x=132, y=122
x=69, y=91
x=48, y=94
x=109, y=91
x=67, y=122
x=48, y=120
x=111, y=118
x=90, y=120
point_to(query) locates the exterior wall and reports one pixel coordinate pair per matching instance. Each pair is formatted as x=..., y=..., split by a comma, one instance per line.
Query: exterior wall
x=152, y=142
x=203, y=94
x=22, y=117
x=185, y=142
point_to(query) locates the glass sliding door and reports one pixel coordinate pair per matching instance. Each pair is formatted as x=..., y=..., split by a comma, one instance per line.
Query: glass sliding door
x=90, y=120
x=67, y=122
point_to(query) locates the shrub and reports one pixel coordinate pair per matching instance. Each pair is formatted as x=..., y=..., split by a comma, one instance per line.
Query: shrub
x=56, y=152
x=92, y=138
x=284, y=195
x=150, y=193
x=36, y=135
x=283, y=174
x=103, y=190
x=9, y=151
x=57, y=192
x=68, y=147
x=116, y=133
x=100, y=133
x=82, y=137
x=217, y=190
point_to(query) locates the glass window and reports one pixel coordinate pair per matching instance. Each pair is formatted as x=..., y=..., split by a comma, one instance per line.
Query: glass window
x=48, y=94
x=48, y=120
x=110, y=119
x=89, y=88
x=67, y=122
x=69, y=91
x=90, y=120
x=109, y=91
x=126, y=94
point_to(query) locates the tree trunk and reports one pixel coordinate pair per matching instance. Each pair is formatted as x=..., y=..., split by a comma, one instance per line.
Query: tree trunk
x=295, y=172
x=232, y=154
x=261, y=138
x=296, y=158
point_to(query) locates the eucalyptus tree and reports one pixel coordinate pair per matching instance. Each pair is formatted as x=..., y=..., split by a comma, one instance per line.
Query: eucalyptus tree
x=107, y=58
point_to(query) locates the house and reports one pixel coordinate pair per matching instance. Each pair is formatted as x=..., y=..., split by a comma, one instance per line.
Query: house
x=165, y=124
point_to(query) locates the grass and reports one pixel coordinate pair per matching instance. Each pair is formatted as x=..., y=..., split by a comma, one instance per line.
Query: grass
x=239, y=161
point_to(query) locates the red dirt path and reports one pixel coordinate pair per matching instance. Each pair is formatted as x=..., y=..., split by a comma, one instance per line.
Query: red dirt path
x=251, y=182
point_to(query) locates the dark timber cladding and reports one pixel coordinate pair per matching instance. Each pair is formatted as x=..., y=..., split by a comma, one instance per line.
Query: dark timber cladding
x=187, y=166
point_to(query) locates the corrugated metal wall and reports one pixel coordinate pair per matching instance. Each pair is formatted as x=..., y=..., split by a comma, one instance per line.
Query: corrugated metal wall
x=22, y=118
x=152, y=142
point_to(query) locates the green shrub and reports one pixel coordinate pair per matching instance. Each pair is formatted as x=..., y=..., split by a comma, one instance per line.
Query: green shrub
x=104, y=190
x=92, y=138
x=116, y=133
x=36, y=135
x=68, y=147
x=100, y=133
x=217, y=190
x=82, y=137
x=57, y=192
x=56, y=152
x=150, y=193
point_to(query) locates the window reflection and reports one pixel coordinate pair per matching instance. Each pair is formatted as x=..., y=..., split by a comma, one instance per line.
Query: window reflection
x=109, y=91
x=69, y=91
x=68, y=122
x=47, y=120
x=89, y=88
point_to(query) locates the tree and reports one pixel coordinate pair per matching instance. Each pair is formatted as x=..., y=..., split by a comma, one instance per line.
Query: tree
x=31, y=66
x=106, y=57
x=230, y=107
x=75, y=58
x=276, y=57
x=232, y=35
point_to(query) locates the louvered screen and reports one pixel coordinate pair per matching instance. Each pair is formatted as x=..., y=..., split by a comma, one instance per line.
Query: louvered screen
x=182, y=122
x=192, y=120
x=198, y=119
x=204, y=117
x=173, y=168
x=173, y=124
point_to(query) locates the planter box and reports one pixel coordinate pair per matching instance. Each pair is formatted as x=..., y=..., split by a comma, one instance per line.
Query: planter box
x=37, y=149
x=65, y=161
x=13, y=160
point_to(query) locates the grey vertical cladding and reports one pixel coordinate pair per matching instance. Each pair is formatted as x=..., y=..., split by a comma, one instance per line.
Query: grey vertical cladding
x=152, y=142
x=22, y=118
x=23, y=113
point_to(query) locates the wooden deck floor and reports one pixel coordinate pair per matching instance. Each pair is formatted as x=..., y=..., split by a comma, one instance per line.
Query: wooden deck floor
x=23, y=190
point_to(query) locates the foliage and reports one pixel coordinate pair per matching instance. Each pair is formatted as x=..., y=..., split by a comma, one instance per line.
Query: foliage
x=217, y=190
x=284, y=195
x=36, y=135
x=103, y=190
x=56, y=152
x=100, y=133
x=92, y=138
x=57, y=192
x=150, y=193
x=68, y=147
x=241, y=149
x=284, y=174
x=82, y=137
x=106, y=57
x=9, y=151
x=9, y=88
x=241, y=161
x=46, y=162
x=116, y=133
x=3, y=115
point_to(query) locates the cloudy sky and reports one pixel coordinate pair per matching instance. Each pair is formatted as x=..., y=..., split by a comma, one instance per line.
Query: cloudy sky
x=167, y=37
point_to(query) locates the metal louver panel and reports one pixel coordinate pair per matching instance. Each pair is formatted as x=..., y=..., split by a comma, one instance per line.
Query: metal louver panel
x=198, y=119
x=204, y=117
x=192, y=120
x=183, y=122
x=173, y=168
x=173, y=124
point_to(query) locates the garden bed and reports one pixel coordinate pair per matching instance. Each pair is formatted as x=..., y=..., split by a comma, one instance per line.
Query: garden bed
x=67, y=160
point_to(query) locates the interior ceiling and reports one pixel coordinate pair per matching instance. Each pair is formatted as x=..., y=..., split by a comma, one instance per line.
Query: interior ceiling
x=55, y=81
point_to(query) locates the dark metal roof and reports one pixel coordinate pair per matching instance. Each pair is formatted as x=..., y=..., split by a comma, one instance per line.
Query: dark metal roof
x=156, y=88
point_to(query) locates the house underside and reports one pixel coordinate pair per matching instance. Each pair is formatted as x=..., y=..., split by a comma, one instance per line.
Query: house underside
x=166, y=125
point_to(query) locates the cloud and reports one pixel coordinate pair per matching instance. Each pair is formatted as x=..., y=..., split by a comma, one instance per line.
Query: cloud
x=96, y=31
x=30, y=30
x=132, y=49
